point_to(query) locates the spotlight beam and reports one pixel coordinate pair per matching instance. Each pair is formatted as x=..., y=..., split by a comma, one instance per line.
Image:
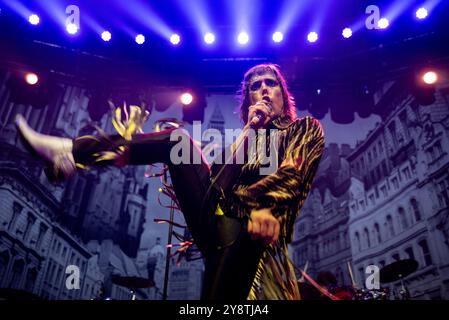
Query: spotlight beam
x=146, y=16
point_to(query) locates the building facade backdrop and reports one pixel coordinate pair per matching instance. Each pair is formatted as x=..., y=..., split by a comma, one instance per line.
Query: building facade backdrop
x=384, y=200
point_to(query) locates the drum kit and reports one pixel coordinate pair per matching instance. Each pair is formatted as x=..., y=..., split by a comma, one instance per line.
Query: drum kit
x=393, y=272
x=397, y=271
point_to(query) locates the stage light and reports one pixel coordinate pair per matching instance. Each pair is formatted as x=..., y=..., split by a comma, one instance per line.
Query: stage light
x=243, y=38
x=278, y=36
x=31, y=78
x=347, y=33
x=209, y=38
x=186, y=98
x=140, y=39
x=34, y=19
x=430, y=77
x=312, y=37
x=383, y=23
x=175, y=39
x=72, y=28
x=421, y=13
x=106, y=36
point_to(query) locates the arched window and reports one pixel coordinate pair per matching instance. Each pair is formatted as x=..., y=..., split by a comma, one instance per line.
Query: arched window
x=403, y=218
x=425, y=252
x=366, y=235
x=377, y=233
x=415, y=208
x=17, y=271
x=390, y=226
x=31, y=219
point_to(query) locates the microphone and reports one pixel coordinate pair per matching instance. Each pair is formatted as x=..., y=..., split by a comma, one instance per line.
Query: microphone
x=260, y=116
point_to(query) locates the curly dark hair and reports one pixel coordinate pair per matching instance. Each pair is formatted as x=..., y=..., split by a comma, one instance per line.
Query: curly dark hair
x=289, y=102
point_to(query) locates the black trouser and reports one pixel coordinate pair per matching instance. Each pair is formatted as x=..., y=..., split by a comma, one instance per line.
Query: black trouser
x=231, y=257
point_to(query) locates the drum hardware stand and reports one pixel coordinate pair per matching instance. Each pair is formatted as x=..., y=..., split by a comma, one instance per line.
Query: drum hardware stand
x=403, y=293
x=158, y=127
x=169, y=242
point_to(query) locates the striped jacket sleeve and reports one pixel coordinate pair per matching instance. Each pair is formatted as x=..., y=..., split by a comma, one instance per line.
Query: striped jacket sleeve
x=292, y=180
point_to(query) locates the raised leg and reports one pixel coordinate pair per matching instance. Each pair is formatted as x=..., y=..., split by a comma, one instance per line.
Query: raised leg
x=230, y=269
x=190, y=180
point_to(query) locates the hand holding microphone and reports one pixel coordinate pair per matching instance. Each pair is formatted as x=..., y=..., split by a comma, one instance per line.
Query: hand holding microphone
x=260, y=113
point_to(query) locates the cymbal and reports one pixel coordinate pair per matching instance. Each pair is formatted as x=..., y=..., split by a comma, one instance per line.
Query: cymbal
x=16, y=294
x=132, y=282
x=397, y=270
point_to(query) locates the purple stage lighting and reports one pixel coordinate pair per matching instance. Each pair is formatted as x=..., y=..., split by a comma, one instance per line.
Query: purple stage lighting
x=34, y=19
x=383, y=23
x=186, y=98
x=347, y=33
x=31, y=78
x=278, y=36
x=430, y=77
x=140, y=39
x=106, y=36
x=209, y=38
x=72, y=28
x=421, y=13
x=175, y=39
x=312, y=37
x=243, y=38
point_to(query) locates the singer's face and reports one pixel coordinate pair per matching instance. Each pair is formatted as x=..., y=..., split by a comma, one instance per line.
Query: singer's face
x=266, y=86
